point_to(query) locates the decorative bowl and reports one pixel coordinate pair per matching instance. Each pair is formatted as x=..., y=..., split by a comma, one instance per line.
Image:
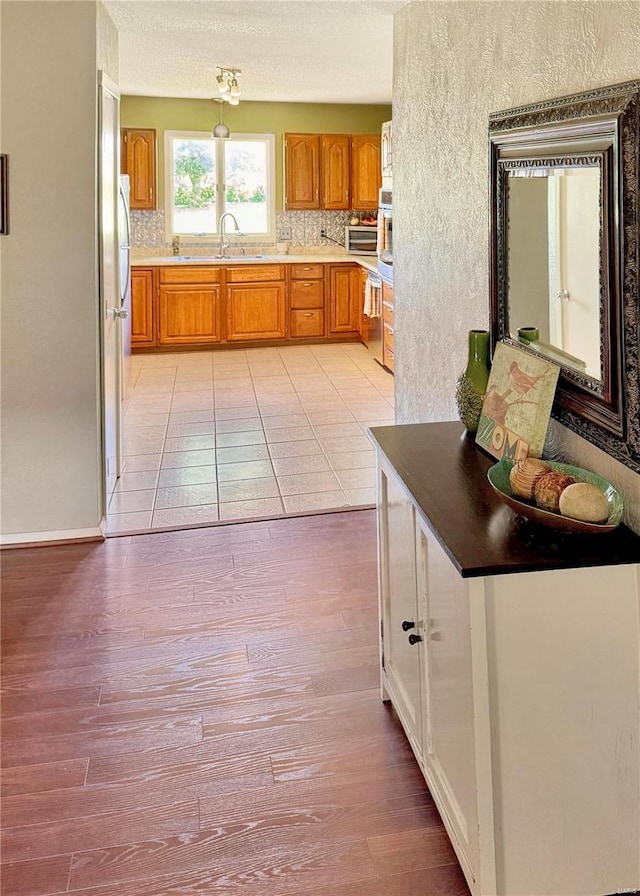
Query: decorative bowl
x=498, y=477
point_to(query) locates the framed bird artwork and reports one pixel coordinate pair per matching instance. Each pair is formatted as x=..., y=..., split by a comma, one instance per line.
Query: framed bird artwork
x=517, y=404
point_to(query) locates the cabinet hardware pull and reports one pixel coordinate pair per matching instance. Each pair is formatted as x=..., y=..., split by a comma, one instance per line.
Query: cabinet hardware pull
x=413, y=639
x=308, y=314
x=406, y=625
x=306, y=284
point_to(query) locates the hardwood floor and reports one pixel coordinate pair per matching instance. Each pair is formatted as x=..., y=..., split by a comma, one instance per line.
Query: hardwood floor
x=198, y=712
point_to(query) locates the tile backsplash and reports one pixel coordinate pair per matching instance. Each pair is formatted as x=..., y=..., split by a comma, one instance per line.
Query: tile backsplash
x=147, y=229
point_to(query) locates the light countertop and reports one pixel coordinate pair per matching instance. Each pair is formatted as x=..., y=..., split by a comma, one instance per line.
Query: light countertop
x=368, y=262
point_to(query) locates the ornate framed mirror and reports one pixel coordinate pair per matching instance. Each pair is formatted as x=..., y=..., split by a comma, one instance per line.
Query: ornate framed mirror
x=564, y=246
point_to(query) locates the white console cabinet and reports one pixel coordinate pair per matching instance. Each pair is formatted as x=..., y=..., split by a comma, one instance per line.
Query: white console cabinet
x=512, y=658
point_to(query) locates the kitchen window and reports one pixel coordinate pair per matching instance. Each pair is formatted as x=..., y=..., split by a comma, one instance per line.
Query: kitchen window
x=206, y=177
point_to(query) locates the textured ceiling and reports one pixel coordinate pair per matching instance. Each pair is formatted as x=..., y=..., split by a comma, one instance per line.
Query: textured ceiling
x=318, y=51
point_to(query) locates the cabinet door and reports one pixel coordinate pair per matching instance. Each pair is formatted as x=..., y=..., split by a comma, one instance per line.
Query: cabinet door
x=335, y=171
x=256, y=311
x=302, y=171
x=188, y=314
x=345, y=298
x=142, y=323
x=139, y=162
x=366, y=177
x=448, y=727
x=401, y=624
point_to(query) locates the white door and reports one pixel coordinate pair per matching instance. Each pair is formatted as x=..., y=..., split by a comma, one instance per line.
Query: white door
x=402, y=634
x=108, y=165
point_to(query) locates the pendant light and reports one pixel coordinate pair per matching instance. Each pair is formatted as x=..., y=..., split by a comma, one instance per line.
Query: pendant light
x=220, y=130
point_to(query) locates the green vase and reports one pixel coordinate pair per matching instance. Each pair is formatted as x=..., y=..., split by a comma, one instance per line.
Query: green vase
x=527, y=335
x=472, y=382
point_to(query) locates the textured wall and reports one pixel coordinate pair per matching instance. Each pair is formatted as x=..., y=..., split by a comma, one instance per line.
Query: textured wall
x=454, y=63
x=106, y=44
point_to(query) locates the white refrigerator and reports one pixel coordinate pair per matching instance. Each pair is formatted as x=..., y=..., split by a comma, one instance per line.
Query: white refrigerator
x=124, y=264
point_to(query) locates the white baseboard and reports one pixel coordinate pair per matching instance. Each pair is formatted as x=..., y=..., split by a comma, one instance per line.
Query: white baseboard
x=58, y=536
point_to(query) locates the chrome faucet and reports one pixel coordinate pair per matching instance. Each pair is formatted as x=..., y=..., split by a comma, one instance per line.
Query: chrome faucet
x=224, y=246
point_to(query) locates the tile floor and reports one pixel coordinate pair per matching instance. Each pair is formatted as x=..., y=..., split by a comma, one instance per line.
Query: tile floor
x=230, y=435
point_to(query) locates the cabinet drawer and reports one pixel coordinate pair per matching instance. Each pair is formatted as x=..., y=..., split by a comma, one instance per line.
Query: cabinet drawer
x=255, y=273
x=306, y=323
x=307, y=271
x=387, y=358
x=307, y=293
x=387, y=313
x=387, y=293
x=190, y=274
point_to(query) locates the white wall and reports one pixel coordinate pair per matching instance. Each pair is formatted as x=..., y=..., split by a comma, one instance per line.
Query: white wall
x=51, y=475
x=456, y=62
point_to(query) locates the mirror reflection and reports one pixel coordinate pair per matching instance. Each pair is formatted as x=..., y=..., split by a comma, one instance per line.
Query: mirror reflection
x=553, y=252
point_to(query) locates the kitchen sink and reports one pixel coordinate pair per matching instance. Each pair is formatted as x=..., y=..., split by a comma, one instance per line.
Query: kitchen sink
x=199, y=257
x=233, y=258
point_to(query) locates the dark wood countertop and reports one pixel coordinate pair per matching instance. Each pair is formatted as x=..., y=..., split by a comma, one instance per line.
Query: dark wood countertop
x=446, y=475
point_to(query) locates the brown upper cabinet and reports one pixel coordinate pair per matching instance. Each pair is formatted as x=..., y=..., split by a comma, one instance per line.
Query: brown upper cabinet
x=366, y=171
x=139, y=162
x=302, y=171
x=335, y=159
x=332, y=171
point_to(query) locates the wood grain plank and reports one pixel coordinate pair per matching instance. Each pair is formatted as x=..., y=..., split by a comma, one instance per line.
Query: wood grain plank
x=199, y=693
x=445, y=880
x=256, y=714
x=94, y=831
x=37, y=778
x=149, y=661
x=352, y=789
x=340, y=868
x=362, y=679
x=317, y=726
x=338, y=759
x=197, y=766
x=47, y=701
x=411, y=850
x=124, y=737
x=39, y=877
x=237, y=851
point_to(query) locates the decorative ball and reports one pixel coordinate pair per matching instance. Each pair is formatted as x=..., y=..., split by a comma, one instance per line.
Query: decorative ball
x=524, y=475
x=584, y=501
x=549, y=487
x=469, y=402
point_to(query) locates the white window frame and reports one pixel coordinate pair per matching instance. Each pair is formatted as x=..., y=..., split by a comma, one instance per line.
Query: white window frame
x=269, y=139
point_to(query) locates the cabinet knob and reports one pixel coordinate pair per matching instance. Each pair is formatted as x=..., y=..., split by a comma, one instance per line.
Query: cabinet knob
x=406, y=625
x=414, y=639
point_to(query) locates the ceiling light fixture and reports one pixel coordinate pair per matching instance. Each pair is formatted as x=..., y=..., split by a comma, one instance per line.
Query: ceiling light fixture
x=228, y=83
x=220, y=130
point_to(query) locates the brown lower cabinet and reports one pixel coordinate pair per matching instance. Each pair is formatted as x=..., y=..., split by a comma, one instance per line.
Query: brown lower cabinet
x=189, y=305
x=344, y=299
x=195, y=305
x=142, y=317
x=188, y=314
x=256, y=311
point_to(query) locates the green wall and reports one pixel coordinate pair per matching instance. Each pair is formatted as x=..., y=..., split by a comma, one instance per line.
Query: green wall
x=169, y=114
